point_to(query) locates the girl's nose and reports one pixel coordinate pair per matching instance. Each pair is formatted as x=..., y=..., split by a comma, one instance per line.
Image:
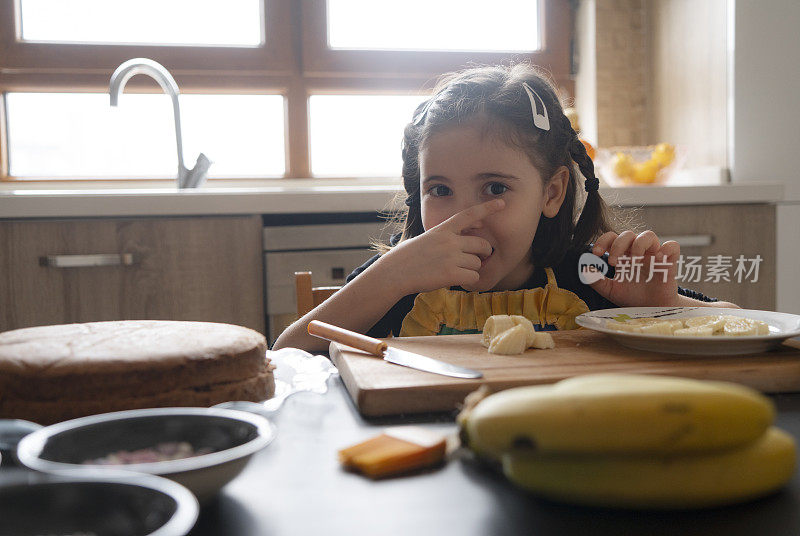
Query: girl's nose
x=472, y=227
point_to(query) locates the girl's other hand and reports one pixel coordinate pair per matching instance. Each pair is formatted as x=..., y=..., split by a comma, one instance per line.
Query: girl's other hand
x=441, y=256
x=630, y=287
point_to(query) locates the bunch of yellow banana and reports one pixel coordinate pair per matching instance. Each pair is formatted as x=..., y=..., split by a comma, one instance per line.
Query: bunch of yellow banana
x=627, y=169
x=634, y=441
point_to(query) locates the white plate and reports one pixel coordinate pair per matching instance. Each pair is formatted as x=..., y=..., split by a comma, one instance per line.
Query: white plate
x=782, y=326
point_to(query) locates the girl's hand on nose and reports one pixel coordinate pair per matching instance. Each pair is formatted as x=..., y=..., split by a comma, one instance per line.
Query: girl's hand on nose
x=636, y=259
x=442, y=256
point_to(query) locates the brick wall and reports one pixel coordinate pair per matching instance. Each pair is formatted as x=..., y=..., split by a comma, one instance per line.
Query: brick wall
x=622, y=72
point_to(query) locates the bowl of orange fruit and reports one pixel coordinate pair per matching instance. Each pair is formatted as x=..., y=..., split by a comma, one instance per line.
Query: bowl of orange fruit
x=652, y=164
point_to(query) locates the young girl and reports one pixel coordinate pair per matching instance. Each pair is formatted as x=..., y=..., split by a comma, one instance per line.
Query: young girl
x=489, y=168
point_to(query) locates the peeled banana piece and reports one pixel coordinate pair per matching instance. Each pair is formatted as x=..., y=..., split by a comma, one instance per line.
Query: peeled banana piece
x=623, y=326
x=667, y=327
x=495, y=325
x=716, y=322
x=513, y=334
x=679, y=481
x=739, y=327
x=646, y=325
x=618, y=413
x=511, y=341
x=542, y=340
x=697, y=331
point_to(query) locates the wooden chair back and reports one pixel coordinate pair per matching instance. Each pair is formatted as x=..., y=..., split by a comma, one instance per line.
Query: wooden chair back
x=309, y=296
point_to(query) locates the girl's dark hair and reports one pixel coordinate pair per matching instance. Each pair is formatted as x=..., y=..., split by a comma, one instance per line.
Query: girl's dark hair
x=495, y=98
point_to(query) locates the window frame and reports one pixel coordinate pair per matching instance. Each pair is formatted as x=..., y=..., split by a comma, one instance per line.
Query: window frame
x=71, y=65
x=320, y=60
x=294, y=62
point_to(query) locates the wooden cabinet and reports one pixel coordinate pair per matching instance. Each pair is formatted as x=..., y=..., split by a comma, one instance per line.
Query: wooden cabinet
x=212, y=268
x=193, y=268
x=729, y=231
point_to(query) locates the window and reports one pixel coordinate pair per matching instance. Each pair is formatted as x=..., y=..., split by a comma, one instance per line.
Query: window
x=448, y=25
x=358, y=135
x=79, y=134
x=133, y=21
x=269, y=88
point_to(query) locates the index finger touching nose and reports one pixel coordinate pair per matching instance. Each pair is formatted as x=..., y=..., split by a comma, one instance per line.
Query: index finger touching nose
x=461, y=220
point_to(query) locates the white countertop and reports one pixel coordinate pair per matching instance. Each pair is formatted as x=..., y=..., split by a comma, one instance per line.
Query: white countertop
x=305, y=196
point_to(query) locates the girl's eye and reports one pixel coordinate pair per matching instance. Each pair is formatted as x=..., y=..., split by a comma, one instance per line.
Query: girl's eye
x=496, y=188
x=439, y=190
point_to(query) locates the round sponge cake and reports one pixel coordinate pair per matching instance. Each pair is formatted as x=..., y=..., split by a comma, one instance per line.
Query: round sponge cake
x=53, y=373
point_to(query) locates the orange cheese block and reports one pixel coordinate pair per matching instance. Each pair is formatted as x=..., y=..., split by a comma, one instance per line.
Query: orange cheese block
x=395, y=451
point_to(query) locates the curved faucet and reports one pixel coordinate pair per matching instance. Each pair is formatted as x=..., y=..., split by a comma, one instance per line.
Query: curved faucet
x=187, y=178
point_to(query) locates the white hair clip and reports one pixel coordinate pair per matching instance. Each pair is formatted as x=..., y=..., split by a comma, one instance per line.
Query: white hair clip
x=540, y=120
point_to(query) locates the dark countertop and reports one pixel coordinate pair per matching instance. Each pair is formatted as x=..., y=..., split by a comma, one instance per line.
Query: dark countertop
x=296, y=487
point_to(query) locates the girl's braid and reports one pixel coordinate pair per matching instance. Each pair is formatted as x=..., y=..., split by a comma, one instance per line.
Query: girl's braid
x=592, y=219
x=577, y=151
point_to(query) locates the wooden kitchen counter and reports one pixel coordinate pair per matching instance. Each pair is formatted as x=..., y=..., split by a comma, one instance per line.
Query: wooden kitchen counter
x=296, y=487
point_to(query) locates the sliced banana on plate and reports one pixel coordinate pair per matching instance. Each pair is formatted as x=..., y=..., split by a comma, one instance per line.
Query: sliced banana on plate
x=698, y=326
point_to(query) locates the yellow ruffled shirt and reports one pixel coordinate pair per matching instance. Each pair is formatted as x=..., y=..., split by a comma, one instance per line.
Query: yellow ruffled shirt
x=446, y=311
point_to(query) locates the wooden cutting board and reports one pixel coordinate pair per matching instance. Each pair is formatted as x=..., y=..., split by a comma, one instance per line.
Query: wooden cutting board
x=380, y=388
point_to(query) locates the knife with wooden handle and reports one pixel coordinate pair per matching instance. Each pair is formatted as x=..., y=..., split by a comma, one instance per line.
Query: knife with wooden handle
x=381, y=349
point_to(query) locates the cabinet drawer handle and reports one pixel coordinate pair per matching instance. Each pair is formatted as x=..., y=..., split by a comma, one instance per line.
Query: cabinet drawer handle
x=82, y=261
x=690, y=241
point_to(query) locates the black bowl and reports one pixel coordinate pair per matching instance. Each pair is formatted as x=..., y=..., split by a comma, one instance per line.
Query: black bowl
x=232, y=436
x=34, y=504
